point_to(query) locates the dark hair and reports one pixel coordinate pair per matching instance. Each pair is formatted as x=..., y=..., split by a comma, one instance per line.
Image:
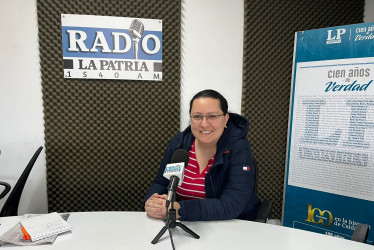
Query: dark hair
x=209, y=93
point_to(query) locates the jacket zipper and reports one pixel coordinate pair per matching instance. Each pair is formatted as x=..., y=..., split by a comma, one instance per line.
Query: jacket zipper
x=211, y=179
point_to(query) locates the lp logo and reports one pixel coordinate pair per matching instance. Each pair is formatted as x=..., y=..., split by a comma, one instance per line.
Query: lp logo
x=322, y=219
x=335, y=39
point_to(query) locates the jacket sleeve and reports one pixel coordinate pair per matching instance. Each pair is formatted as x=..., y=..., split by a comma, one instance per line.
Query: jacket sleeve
x=236, y=195
x=160, y=183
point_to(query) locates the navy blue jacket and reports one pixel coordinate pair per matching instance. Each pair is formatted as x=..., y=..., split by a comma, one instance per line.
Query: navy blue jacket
x=229, y=185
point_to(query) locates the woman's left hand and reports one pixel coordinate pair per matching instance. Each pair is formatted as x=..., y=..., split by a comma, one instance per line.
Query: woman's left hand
x=155, y=206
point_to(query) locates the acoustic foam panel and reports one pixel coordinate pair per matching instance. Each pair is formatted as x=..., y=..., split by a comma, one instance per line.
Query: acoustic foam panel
x=105, y=139
x=269, y=31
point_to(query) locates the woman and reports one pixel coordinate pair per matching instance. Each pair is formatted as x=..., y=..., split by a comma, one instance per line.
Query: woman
x=219, y=179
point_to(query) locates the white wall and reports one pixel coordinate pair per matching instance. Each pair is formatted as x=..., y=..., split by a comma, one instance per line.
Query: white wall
x=212, y=51
x=369, y=11
x=212, y=44
x=21, y=110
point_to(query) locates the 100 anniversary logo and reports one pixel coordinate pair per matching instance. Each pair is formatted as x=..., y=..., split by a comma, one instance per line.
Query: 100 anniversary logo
x=102, y=47
x=317, y=216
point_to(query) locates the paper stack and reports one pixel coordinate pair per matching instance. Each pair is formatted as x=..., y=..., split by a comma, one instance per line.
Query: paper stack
x=43, y=226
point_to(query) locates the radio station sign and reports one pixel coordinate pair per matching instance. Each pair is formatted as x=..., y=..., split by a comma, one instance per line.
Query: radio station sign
x=103, y=47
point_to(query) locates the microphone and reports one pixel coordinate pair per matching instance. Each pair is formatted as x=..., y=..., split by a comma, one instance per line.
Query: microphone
x=175, y=172
x=174, y=182
x=136, y=31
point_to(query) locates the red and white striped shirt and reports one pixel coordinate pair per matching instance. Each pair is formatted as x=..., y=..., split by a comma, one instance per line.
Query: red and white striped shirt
x=193, y=184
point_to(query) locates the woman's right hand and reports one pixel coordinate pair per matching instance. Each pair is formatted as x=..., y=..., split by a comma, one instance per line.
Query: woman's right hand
x=155, y=206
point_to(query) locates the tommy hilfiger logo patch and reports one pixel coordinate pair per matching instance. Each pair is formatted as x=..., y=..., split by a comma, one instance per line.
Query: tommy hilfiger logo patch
x=246, y=168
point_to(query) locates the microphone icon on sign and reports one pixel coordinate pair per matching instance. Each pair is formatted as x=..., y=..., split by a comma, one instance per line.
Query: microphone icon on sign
x=136, y=31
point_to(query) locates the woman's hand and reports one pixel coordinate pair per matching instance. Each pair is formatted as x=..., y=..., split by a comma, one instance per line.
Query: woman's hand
x=176, y=207
x=155, y=206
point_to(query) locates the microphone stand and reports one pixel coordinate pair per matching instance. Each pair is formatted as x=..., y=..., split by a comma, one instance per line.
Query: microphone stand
x=171, y=222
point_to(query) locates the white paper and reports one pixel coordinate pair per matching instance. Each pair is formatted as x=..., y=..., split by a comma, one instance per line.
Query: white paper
x=43, y=226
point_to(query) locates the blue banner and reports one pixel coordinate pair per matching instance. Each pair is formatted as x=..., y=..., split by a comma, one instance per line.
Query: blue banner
x=330, y=166
x=109, y=39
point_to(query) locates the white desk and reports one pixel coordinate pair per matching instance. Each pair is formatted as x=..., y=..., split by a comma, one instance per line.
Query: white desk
x=135, y=230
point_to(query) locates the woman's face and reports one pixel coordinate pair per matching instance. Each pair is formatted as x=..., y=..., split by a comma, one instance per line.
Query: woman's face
x=207, y=131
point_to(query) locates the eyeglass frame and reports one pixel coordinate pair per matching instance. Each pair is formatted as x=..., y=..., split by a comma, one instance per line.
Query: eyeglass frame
x=206, y=117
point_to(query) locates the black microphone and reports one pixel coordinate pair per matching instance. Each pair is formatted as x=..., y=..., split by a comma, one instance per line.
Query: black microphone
x=174, y=180
x=180, y=156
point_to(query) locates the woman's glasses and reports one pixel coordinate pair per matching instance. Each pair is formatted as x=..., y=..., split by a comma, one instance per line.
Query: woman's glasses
x=199, y=118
